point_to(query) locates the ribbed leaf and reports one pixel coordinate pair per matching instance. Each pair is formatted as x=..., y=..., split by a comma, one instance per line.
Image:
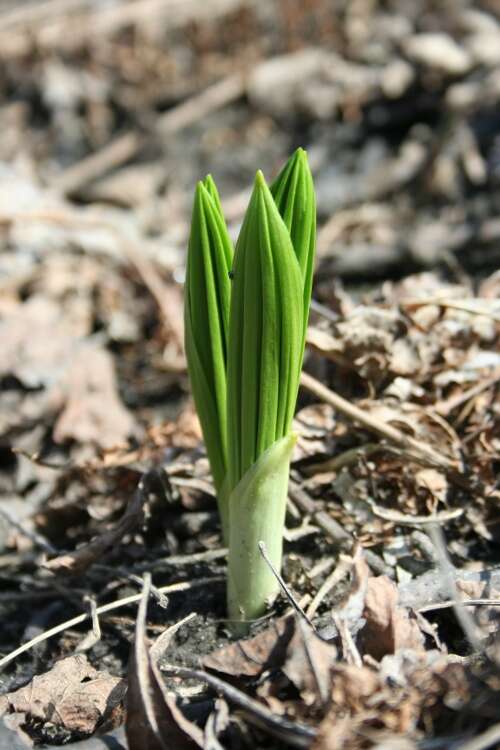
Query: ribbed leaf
x=293, y=192
x=265, y=335
x=207, y=299
x=257, y=508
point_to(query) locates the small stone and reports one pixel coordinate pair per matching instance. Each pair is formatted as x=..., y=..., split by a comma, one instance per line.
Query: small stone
x=485, y=47
x=439, y=51
x=397, y=78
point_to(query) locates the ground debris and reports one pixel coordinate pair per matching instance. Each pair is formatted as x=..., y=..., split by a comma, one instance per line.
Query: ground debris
x=71, y=699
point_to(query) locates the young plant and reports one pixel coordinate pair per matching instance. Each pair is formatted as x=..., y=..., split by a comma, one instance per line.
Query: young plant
x=246, y=318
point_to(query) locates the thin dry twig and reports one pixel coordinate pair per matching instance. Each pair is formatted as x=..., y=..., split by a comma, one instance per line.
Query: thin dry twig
x=488, y=739
x=37, y=539
x=172, y=588
x=125, y=147
x=293, y=733
x=335, y=576
x=462, y=602
x=445, y=407
x=163, y=641
x=470, y=306
x=371, y=423
x=83, y=557
x=298, y=609
x=334, y=530
x=404, y=519
x=448, y=573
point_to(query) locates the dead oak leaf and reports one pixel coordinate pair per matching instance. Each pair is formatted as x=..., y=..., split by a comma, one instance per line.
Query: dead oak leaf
x=72, y=696
x=388, y=626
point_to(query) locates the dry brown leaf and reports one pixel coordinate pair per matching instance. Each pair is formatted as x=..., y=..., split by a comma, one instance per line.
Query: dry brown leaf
x=37, y=343
x=72, y=696
x=388, y=627
x=249, y=658
x=309, y=665
x=153, y=720
x=93, y=412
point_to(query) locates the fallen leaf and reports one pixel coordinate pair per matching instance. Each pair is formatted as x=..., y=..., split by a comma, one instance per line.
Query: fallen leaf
x=309, y=664
x=37, y=344
x=92, y=411
x=388, y=627
x=250, y=657
x=72, y=696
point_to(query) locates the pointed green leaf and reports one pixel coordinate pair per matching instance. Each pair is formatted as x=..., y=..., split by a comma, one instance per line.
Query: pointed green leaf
x=293, y=192
x=265, y=334
x=206, y=310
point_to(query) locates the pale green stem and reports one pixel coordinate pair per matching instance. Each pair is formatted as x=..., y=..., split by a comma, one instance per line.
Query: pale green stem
x=257, y=507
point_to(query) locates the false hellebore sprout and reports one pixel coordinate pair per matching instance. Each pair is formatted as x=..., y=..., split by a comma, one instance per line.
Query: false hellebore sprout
x=246, y=317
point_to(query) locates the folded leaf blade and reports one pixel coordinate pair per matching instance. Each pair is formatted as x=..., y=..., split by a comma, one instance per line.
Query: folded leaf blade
x=207, y=299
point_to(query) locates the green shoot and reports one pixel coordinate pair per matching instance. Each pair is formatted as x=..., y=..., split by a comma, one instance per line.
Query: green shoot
x=244, y=343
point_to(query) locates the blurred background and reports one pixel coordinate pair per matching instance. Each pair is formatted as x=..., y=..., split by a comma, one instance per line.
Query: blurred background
x=124, y=104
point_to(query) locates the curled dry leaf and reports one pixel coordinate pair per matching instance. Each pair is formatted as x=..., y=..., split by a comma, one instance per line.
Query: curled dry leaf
x=388, y=627
x=72, y=697
x=153, y=720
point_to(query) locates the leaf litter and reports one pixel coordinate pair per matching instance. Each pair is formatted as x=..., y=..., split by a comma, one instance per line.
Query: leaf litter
x=94, y=399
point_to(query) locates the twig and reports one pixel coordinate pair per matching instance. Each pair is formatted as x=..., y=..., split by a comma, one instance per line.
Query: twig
x=376, y=425
x=488, y=739
x=284, y=587
x=347, y=458
x=445, y=407
x=172, y=588
x=84, y=557
x=334, y=530
x=126, y=146
x=432, y=586
x=36, y=12
x=448, y=572
x=37, y=539
x=462, y=602
x=406, y=520
x=335, y=576
x=465, y=305
x=163, y=641
x=94, y=635
x=115, y=153
x=297, y=735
